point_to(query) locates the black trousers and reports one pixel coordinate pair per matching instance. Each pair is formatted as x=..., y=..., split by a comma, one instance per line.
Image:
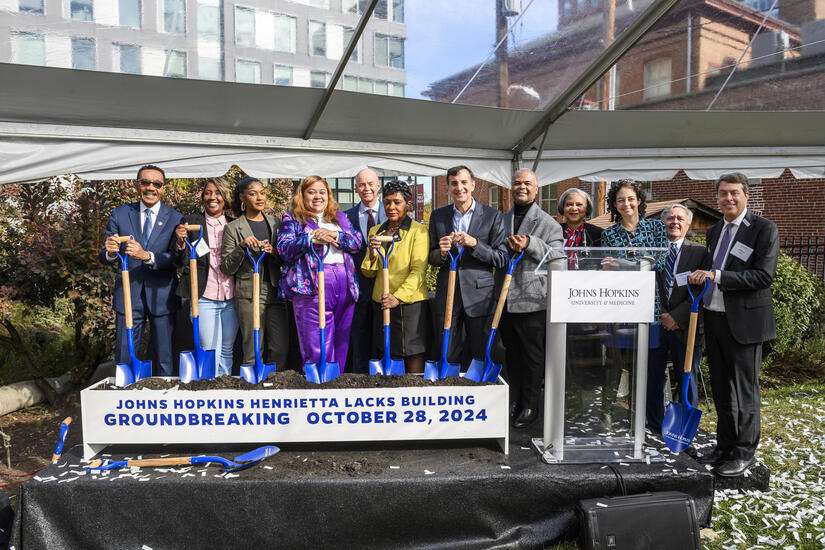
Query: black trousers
x=670, y=347
x=734, y=378
x=468, y=335
x=361, y=337
x=524, y=338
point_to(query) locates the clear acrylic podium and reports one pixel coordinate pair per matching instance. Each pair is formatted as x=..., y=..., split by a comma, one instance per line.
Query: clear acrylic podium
x=595, y=370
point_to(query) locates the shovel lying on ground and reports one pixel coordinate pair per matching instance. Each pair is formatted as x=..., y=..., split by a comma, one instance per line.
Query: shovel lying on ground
x=258, y=372
x=241, y=462
x=61, y=439
x=387, y=365
x=127, y=374
x=438, y=370
x=488, y=370
x=682, y=419
x=200, y=364
x=322, y=371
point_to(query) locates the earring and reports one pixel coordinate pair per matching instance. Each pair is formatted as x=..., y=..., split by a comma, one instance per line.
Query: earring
x=243, y=207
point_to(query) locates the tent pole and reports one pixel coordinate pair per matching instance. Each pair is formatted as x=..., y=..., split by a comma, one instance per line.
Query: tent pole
x=339, y=70
x=541, y=149
x=597, y=68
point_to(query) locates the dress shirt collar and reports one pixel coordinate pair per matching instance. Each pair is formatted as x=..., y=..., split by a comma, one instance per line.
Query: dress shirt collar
x=155, y=208
x=738, y=220
x=678, y=243
x=215, y=221
x=362, y=208
x=470, y=210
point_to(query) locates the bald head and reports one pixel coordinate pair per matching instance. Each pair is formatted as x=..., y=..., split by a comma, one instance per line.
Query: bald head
x=367, y=185
x=524, y=187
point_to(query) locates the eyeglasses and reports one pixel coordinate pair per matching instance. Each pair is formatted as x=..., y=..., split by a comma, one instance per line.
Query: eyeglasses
x=157, y=184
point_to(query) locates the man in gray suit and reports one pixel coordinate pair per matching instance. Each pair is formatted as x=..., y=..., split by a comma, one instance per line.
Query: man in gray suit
x=478, y=230
x=534, y=231
x=683, y=257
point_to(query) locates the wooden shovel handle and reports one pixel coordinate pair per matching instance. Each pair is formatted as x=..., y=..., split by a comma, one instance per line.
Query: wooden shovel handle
x=691, y=340
x=322, y=303
x=170, y=461
x=385, y=280
x=448, y=309
x=193, y=285
x=124, y=239
x=127, y=298
x=383, y=238
x=256, y=301
x=192, y=226
x=502, y=299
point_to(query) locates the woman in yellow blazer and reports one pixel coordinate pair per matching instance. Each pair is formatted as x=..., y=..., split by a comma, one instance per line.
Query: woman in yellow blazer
x=407, y=299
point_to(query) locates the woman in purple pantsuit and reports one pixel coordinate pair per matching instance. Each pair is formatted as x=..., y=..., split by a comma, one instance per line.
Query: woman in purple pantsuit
x=315, y=215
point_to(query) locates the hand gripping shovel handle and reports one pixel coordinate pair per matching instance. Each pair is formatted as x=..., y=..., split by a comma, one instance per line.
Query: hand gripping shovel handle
x=694, y=320
x=505, y=290
x=448, y=308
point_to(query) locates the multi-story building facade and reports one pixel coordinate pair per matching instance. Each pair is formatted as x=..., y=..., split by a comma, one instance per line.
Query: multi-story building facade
x=282, y=42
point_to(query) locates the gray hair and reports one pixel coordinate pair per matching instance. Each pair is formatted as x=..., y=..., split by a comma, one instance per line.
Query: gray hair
x=668, y=209
x=571, y=191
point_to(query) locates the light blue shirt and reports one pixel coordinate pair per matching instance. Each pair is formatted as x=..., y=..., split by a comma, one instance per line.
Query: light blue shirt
x=377, y=212
x=461, y=222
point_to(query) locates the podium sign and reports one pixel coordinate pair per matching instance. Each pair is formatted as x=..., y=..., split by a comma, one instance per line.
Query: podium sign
x=602, y=296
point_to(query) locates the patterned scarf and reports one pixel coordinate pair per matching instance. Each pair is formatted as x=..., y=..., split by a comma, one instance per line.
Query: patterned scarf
x=573, y=238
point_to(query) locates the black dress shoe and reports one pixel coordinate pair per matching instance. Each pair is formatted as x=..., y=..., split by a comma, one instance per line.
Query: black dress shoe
x=525, y=418
x=714, y=458
x=515, y=409
x=734, y=468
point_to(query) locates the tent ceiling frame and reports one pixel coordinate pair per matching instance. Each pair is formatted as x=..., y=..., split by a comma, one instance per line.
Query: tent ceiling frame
x=611, y=55
x=339, y=70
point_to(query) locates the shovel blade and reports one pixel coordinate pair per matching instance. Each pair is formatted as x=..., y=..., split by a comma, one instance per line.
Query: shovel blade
x=188, y=368
x=247, y=460
x=476, y=371
x=264, y=370
x=492, y=372
x=123, y=375
x=431, y=371
x=680, y=426
x=449, y=370
x=331, y=372
x=142, y=369
x=311, y=373
x=376, y=367
x=249, y=373
x=206, y=364
x=396, y=368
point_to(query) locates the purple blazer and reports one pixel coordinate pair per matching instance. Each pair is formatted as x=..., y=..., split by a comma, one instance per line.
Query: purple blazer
x=293, y=248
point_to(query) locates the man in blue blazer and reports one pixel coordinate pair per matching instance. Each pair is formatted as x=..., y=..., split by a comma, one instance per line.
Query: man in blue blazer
x=152, y=273
x=362, y=216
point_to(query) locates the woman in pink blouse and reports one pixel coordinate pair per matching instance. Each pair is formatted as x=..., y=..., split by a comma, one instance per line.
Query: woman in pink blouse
x=218, y=320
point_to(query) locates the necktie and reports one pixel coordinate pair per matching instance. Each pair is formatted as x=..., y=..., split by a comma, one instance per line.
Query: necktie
x=370, y=220
x=147, y=228
x=719, y=259
x=670, y=267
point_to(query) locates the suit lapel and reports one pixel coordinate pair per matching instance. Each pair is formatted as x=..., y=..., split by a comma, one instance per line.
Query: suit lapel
x=134, y=218
x=157, y=228
x=741, y=233
x=531, y=220
x=475, y=223
x=509, y=220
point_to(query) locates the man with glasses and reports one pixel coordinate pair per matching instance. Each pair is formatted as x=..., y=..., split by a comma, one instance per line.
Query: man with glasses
x=151, y=226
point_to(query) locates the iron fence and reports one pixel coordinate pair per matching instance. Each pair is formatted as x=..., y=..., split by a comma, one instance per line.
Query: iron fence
x=808, y=251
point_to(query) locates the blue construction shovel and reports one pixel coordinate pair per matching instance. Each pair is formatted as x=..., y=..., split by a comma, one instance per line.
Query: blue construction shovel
x=259, y=371
x=241, y=462
x=127, y=374
x=681, y=420
x=488, y=370
x=200, y=364
x=387, y=365
x=438, y=370
x=322, y=371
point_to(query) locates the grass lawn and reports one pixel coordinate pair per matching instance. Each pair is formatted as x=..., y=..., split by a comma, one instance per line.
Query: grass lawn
x=792, y=514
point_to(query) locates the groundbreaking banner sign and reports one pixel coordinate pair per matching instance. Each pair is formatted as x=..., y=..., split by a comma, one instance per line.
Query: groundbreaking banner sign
x=602, y=296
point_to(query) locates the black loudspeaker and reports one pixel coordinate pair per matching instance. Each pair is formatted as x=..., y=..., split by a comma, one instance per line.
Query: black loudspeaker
x=6, y=520
x=650, y=521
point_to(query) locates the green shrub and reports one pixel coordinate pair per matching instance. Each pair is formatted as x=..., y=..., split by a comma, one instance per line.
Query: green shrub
x=798, y=305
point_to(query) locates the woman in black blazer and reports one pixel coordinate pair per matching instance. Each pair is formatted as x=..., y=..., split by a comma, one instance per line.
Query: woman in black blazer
x=576, y=206
x=218, y=319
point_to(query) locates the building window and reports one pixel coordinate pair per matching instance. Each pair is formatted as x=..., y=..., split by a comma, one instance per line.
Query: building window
x=82, y=10
x=83, y=54
x=317, y=38
x=396, y=89
x=549, y=199
x=210, y=69
x=282, y=75
x=174, y=16
x=365, y=85
x=248, y=72
x=355, y=7
x=350, y=83
x=318, y=79
x=175, y=64
x=380, y=10
x=389, y=51
x=342, y=191
x=567, y=8
x=127, y=58
x=28, y=48
x=128, y=13
x=210, y=21
x=244, y=26
x=398, y=11
x=31, y=6
x=285, y=31
x=494, y=196
x=657, y=78
x=381, y=87
x=349, y=32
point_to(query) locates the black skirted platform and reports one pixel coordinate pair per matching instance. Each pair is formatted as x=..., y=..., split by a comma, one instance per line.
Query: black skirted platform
x=363, y=496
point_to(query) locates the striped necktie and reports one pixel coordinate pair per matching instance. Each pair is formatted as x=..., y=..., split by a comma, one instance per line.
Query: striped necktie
x=147, y=228
x=719, y=259
x=670, y=267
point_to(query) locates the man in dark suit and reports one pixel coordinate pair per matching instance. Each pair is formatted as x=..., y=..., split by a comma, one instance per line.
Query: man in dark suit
x=741, y=261
x=478, y=230
x=683, y=257
x=151, y=266
x=363, y=216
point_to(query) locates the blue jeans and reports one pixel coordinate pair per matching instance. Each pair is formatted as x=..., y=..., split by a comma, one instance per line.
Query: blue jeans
x=218, y=327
